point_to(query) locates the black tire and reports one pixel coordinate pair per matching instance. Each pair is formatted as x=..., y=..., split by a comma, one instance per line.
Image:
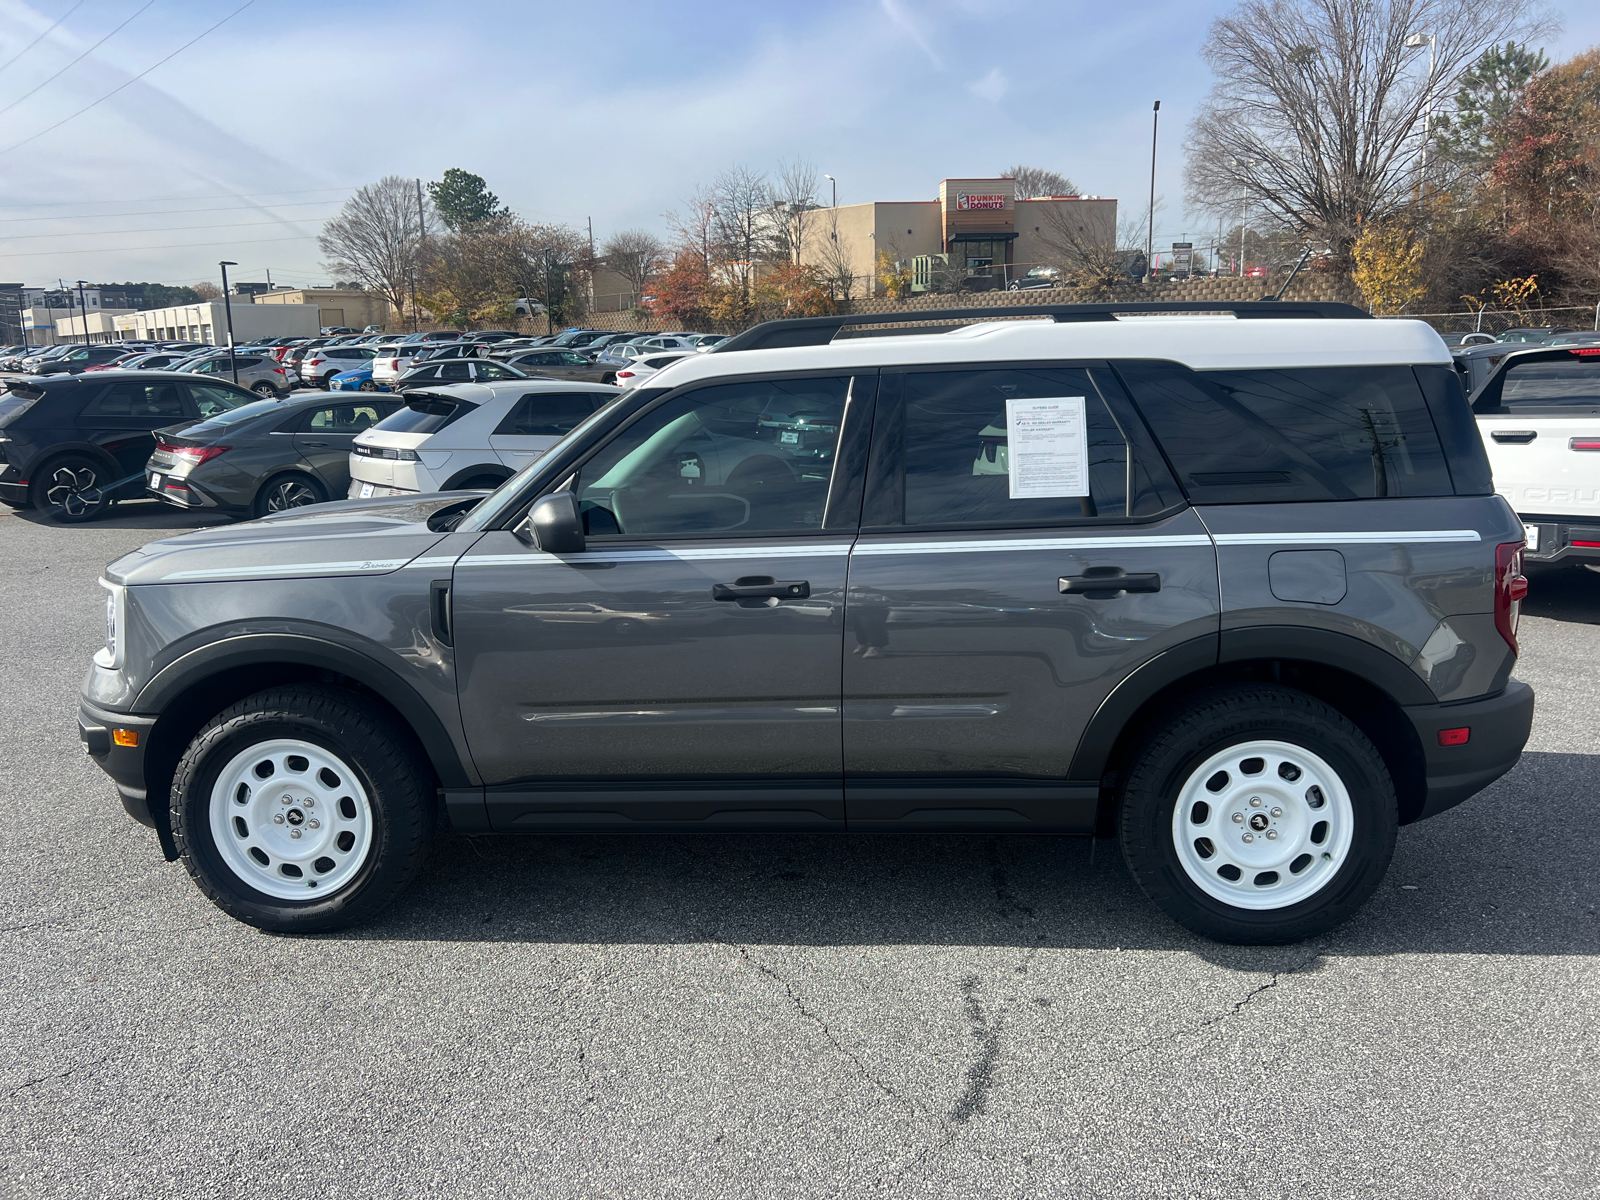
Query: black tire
x=477, y=482
x=381, y=754
x=610, y=378
x=290, y=490
x=1211, y=722
x=265, y=390
x=326, y=382
x=368, y=386
x=72, y=489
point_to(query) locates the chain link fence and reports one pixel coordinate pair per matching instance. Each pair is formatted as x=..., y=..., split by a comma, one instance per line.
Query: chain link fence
x=1497, y=321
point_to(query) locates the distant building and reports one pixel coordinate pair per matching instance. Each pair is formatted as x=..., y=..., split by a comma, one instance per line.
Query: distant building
x=349, y=307
x=983, y=236
x=208, y=322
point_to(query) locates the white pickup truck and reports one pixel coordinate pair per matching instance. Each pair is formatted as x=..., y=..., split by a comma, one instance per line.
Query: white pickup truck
x=1539, y=414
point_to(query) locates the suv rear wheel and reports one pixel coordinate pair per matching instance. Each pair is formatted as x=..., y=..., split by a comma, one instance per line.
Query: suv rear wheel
x=302, y=809
x=72, y=489
x=1258, y=815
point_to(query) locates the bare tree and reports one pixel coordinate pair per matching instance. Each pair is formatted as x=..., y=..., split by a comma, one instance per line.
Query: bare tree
x=379, y=238
x=635, y=255
x=1036, y=182
x=794, y=207
x=1316, y=115
x=833, y=256
x=740, y=225
x=207, y=290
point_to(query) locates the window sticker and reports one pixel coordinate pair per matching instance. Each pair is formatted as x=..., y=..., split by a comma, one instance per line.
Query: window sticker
x=1048, y=447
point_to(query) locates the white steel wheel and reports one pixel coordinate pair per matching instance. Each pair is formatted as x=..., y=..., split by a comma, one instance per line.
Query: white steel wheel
x=291, y=820
x=1262, y=825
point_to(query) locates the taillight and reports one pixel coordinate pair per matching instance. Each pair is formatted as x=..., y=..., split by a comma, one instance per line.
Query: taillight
x=198, y=454
x=1510, y=589
x=277, y=370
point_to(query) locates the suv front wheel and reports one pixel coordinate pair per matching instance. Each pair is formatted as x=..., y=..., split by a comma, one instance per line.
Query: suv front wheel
x=1258, y=815
x=302, y=809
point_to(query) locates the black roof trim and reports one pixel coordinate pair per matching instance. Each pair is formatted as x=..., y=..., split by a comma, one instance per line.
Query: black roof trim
x=819, y=331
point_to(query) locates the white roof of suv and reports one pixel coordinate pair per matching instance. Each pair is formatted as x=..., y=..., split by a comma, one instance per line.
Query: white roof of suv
x=1203, y=343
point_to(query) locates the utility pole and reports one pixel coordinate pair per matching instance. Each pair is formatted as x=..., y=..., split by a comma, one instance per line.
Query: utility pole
x=1150, y=236
x=227, y=305
x=84, y=304
x=549, y=314
x=591, y=237
x=269, y=279
x=422, y=241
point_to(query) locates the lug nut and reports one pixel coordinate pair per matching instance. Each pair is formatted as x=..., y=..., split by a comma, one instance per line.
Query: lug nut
x=308, y=802
x=1277, y=812
x=1255, y=801
x=1238, y=818
x=313, y=823
x=294, y=833
x=1249, y=837
x=1272, y=835
x=277, y=818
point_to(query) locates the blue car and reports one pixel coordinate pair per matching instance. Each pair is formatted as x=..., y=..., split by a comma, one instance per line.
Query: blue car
x=357, y=380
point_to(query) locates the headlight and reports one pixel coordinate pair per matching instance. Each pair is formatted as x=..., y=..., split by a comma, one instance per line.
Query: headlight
x=116, y=608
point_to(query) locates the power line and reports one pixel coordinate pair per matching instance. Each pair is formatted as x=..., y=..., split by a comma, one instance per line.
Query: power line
x=28, y=237
x=197, y=196
x=73, y=63
x=166, y=212
x=185, y=246
x=42, y=36
x=135, y=79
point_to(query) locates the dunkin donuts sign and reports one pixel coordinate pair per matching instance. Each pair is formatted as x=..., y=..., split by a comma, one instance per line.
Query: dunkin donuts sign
x=968, y=203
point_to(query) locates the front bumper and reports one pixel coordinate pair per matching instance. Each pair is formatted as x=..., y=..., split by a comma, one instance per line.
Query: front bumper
x=1499, y=728
x=125, y=764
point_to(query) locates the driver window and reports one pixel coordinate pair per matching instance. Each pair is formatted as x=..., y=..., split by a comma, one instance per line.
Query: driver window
x=752, y=457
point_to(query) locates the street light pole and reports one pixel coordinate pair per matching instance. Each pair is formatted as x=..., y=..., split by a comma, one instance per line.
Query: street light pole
x=227, y=306
x=1150, y=236
x=835, y=182
x=549, y=315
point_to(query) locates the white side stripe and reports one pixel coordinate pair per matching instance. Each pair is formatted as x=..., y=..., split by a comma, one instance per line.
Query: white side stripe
x=360, y=567
x=535, y=558
x=1101, y=543
x=1351, y=538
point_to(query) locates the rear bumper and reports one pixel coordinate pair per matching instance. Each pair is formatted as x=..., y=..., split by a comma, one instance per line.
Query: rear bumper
x=1499, y=729
x=1557, y=536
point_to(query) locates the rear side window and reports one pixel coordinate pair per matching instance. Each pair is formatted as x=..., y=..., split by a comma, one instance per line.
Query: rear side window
x=138, y=400
x=425, y=414
x=951, y=433
x=1312, y=433
x=549, y=414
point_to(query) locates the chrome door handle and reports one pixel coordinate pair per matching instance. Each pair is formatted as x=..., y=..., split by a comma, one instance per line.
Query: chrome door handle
x=1107, y=583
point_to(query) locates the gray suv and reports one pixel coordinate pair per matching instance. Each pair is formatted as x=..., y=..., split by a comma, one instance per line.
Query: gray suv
x=1236, y=590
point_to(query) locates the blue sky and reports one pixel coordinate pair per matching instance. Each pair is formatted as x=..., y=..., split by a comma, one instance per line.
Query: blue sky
x=571, y=112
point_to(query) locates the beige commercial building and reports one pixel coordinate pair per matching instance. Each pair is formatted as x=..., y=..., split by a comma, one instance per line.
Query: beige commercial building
x=208, y=322
x=337, y=306
x=986, y=236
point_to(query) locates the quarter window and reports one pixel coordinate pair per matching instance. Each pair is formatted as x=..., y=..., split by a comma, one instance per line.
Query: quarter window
x=549, y=414
x=745, y=457
x=139, y=400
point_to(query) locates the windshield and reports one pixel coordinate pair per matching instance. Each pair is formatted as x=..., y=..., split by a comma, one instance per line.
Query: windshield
x=495, y=503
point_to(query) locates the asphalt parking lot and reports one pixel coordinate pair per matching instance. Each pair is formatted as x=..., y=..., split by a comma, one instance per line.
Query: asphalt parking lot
x=768, y=1017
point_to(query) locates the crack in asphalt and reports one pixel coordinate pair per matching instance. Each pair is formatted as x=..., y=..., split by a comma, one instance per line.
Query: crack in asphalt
x=827, y=1032
x=980, y=1075
x=70, y=1071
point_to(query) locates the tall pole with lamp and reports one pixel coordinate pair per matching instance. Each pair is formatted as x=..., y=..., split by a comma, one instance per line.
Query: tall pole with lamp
x=1415, y=42
x=227, y=307
x=1150, y=236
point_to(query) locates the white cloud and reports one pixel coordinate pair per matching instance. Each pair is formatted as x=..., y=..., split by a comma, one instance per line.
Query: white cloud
x=896, y=12
x=991, y=87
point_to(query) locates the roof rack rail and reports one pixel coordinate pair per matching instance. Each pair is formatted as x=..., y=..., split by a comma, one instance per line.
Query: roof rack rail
x=819, y=331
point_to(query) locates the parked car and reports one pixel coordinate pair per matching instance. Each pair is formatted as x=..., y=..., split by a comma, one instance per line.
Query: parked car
x=111, y=364
x=432, y=335
x=1533, y=333
x=577, y=337
x=705, y=341
x=663, y=341
x=327, y=330
x=263, y=458
x=1035, y=279
x=357, y=379
x=156, y=360
x=1474, y=364
x=561, y=364
x=257, y=372
x=1581, y=337
x=1251, y=618
x=1539, y=413
x=319, y=366
x=77, y=360
x=372, y=329
x=468, y=435
x=73, y=445
x=456, y=370
x=643, y=367
x=1454, y=340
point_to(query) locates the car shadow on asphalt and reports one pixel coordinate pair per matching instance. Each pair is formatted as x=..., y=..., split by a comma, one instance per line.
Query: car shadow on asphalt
x=1509, y=872
x=134, y=514
x=1563, y=592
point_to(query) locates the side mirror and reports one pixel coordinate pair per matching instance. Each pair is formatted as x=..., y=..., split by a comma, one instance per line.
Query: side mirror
x=553, y=525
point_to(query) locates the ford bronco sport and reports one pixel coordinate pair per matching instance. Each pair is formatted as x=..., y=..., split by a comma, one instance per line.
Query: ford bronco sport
x=1234, y=588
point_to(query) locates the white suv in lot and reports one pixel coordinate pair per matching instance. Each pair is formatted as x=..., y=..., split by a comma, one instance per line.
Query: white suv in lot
x=468, y=435
x=392, y=360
